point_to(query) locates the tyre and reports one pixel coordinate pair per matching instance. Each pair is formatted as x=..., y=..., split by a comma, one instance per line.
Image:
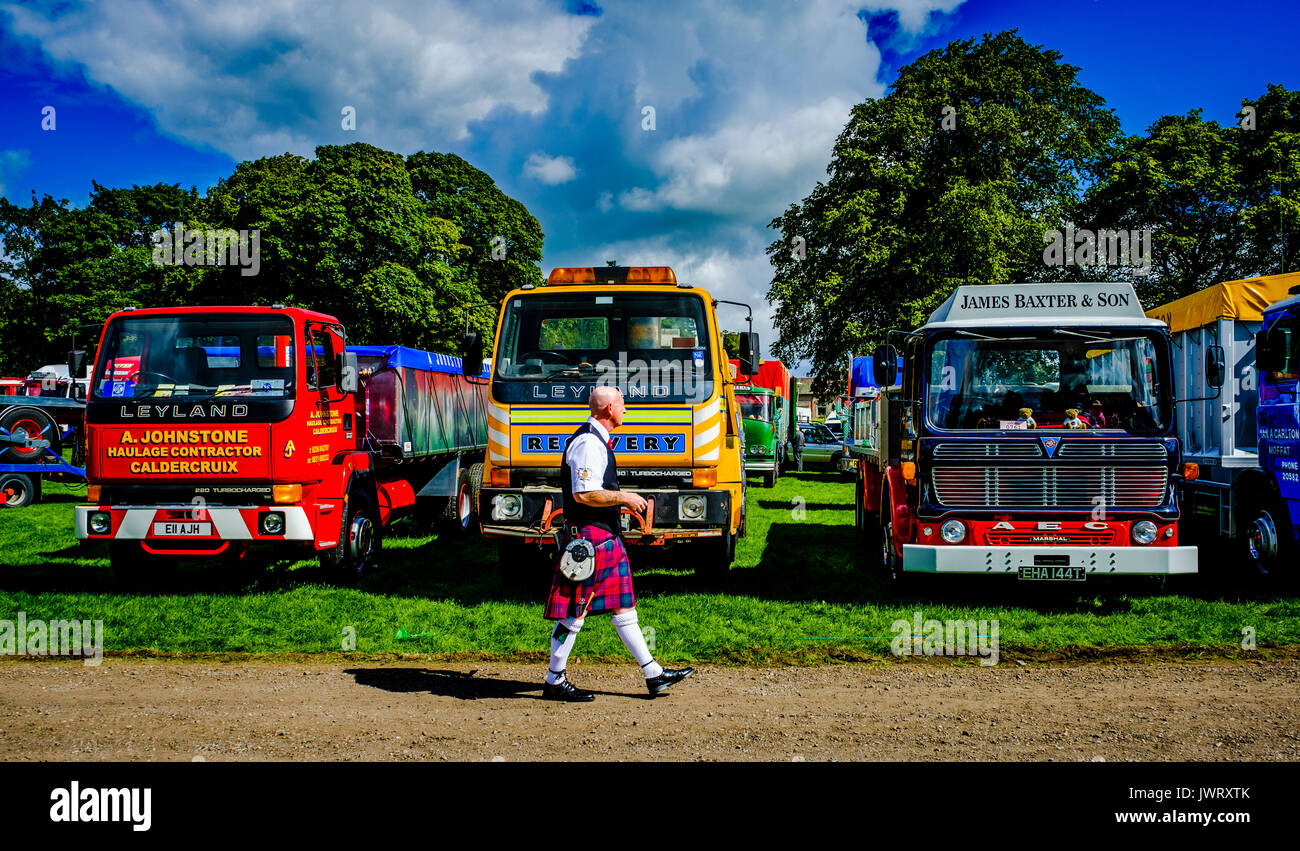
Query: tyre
x=33, y=423
x=891, y=565
x=461, y=515
x=359, y=546
x=769, y=479
x=859, y=514
x=713, y=558
x=1269, y=542
x=19, y=489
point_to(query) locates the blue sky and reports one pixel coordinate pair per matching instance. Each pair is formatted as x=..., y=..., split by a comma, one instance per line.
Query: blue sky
x=548, y=96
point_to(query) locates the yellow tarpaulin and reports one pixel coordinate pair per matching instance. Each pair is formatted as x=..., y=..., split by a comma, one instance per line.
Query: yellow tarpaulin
x=1231, y=299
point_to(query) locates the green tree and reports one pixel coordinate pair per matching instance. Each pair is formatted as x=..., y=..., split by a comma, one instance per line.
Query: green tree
x=916, y=205
x=1221, y=201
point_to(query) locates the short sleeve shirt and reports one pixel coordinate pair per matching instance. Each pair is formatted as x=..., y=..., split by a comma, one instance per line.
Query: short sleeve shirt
x=588, y=458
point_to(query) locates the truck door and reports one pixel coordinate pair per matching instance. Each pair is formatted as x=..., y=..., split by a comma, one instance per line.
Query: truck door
x=330, y=419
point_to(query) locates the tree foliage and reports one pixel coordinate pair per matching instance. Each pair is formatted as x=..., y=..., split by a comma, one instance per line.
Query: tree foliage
x=396, y=248
x=1222, y=202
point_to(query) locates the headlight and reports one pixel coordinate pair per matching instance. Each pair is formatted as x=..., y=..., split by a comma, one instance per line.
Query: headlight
x=272, y=523
x=953, y=531
x=99, y=522
x=690, y=507
x=1144, y=532
x=507, y=506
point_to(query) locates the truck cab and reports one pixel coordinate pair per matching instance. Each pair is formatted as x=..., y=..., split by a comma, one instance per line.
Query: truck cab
x=1030, y=434
x=680, y=445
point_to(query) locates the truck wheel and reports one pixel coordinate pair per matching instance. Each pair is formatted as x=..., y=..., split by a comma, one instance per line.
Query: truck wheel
x=1269, y=542
x=461, y=514
x=891, y=564
x=713, y=559
x=19, y=490
x=360, y=542
x=32, y=423
x=769, y=479
x=859, y=516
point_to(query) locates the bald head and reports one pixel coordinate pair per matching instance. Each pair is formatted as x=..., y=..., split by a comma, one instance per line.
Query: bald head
x=603, y=395
x=607, y=406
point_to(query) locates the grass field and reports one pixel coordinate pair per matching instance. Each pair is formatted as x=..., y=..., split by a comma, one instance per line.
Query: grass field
x=799, y=592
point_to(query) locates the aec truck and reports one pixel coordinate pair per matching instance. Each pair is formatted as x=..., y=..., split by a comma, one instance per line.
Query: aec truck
x=1244, y=440
x=764, y=400
x=210, y=430
x=680, y=444
x=1031, y=434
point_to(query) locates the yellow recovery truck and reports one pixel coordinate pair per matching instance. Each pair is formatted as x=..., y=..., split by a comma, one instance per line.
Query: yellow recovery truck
x=681, y=443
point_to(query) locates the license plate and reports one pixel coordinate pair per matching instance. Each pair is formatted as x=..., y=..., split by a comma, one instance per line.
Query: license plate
x=1054, y=574
x=182, y=530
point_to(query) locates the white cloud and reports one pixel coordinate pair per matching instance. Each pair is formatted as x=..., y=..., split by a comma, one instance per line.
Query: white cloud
x=257, y=77
x=781, y=86
x=549, y=170
x=730, y=264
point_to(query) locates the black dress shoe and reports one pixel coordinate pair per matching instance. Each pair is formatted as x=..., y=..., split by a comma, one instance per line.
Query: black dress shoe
x=565, y=690
x=656, y=685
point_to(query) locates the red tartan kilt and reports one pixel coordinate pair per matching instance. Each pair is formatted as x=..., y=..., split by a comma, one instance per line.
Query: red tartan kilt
x=609, y=588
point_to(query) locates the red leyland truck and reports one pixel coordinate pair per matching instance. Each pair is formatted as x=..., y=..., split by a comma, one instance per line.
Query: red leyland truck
x=211, y=430
x=1031, y=434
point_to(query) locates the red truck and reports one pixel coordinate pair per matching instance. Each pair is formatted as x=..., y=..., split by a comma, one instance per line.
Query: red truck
x=211, y=430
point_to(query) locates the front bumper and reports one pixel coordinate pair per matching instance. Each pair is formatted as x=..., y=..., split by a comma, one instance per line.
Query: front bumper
x=225, y=523
x=542, y=515
x=765, y=465
x=1096, y=561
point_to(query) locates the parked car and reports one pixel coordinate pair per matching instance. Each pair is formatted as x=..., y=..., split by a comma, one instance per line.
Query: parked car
x=824, y=446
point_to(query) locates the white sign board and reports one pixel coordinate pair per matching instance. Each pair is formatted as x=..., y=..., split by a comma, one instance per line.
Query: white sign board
x=1055, y=302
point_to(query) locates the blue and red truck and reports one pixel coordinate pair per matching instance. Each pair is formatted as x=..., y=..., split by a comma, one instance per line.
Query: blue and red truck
x=1241, y=442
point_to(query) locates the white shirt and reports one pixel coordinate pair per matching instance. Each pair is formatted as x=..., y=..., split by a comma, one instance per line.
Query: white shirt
x=588, y=457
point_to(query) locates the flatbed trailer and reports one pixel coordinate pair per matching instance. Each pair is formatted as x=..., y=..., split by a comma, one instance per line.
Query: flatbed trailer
x=33, y=432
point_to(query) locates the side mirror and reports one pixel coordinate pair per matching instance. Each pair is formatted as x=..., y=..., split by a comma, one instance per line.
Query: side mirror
x=76, y=360
x=345, y=364
x=1266, y=357
x=884, y=366
x=1214, y=369
x=471, y=354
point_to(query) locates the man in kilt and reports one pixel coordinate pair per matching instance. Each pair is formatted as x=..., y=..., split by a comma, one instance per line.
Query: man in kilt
x=592, y=504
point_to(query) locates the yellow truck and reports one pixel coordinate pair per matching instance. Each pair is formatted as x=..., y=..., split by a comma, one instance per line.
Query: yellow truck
x=681, y=443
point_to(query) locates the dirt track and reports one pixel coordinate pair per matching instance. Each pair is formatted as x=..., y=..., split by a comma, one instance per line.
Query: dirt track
x=151, y=710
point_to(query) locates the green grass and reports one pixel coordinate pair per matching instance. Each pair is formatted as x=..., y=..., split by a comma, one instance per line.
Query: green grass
x=799, y=592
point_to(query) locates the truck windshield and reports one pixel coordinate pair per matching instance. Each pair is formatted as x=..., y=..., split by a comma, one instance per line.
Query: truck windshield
x=1090, y=381
x=755, y=407
x=656, y=345
x=198, y=356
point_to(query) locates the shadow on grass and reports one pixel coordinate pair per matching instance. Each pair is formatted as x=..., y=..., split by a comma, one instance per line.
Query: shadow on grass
x=810, y=506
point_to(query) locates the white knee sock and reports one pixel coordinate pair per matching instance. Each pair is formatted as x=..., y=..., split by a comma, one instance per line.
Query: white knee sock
x=630, y=632
x=562, y=638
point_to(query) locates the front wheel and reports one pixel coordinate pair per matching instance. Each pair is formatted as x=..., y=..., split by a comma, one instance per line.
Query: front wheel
x=769, y=479
x=19, y=490
x=1269, y=542
x=359, y=545
x=714, y=557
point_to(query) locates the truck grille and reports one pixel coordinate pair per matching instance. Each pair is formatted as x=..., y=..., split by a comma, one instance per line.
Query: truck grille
x=1051, y=487
x=977, y=449
x=1028, y=539
x=1138, y=450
